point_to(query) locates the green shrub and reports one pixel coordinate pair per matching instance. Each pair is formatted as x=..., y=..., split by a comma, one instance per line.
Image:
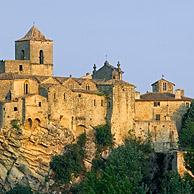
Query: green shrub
x=104, y=137
x=71, y=162
x=19, y=189
x=15, y=124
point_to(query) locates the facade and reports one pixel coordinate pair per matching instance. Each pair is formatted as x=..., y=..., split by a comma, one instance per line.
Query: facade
x=32, y=96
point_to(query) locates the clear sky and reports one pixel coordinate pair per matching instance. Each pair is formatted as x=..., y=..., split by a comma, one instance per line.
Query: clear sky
x=148, y=37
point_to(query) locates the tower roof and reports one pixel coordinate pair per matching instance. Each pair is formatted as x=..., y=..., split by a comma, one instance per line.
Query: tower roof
x=162, y=80
x=34, y=34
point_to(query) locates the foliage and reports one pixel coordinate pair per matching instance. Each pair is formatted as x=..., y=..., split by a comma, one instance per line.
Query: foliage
x=15, y=124
x=124, y=171
x=71, y=162
x=189, y=161
x=174, y=184
x=19, y=189
x=104, y=136
x=186, y=135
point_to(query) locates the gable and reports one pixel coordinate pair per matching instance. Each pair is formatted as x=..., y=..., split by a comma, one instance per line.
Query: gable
x=50, y=80
x=71, y=84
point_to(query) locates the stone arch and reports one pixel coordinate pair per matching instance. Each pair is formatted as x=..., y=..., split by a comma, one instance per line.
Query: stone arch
x=28, y=123
x=80, y=129
x=37, y=122
x=41, y=56
x=26, y=87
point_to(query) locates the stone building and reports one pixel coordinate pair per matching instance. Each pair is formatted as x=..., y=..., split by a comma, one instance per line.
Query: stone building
x=32, y=96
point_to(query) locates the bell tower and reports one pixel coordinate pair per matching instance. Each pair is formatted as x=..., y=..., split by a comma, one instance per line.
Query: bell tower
x=38, y=50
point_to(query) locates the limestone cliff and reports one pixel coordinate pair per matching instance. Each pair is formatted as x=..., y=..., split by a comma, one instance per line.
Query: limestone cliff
x=25, y=154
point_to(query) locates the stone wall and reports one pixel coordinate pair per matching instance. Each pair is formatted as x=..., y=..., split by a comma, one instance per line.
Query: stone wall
x=19, y=84
x=168, y=111
x=42, y=69
x=19, y=46
x=46, y=47
x=17, y=66
x=123, y=101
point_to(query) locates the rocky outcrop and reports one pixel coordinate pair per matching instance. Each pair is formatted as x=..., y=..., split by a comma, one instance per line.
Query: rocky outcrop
x=25, y=154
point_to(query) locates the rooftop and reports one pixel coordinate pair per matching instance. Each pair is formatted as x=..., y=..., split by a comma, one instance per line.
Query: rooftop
x=34, y=34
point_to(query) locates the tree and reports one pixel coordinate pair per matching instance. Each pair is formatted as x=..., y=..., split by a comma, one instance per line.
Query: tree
x=19, y=189
x=125, y=171
x=186, y=134
x=71, y=162
x=174, y=184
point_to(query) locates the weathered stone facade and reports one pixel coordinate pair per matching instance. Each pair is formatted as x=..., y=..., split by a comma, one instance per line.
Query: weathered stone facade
x=52, y=111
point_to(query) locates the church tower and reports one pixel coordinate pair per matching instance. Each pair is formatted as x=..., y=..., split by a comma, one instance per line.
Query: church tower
x=38, y=50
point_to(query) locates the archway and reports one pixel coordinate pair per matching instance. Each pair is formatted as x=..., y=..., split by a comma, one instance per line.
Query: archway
x=80, y=129
x=37, y=122
x=28, y=123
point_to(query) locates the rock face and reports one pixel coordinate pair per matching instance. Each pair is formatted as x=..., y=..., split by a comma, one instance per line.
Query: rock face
x=25, y=155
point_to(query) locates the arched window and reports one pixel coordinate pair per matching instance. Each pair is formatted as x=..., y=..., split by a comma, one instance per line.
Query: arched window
x=26, y=88
x=164, y=86
x=41, y=57
x=87, y=87
x=22, y=54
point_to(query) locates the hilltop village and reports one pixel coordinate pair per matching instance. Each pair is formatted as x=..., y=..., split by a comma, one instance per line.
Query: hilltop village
x=32, y=97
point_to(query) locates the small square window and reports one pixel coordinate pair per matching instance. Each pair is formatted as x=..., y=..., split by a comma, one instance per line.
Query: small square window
x=15, y=109
x=20, y=67
x=156, y=104
x=157, y=117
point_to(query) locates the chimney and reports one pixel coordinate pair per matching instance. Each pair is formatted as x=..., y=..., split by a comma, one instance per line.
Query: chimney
x=179, y=93
x=137, y=95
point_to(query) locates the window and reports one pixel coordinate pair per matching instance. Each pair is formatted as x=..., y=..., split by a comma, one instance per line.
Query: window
x=26, y=88
x=39, y=104
x=155, y=133
x=156, y=104
x=64, y=97
x=20, y=68
x=157, y=117
x=22, y=55
x=87, y=87
x=94, y=102
x=41, y=57
x=79, y=95
x=15, y=108
x=164, y=86
x=54, y=96
x=102, y=102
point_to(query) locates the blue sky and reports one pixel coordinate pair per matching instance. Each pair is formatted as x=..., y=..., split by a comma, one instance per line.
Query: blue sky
x=148, y=37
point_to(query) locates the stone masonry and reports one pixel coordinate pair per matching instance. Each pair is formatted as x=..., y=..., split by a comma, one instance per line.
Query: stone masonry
x=52, y=111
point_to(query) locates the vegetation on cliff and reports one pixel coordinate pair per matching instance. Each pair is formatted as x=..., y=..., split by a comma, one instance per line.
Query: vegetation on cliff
x=71, y=162
x=186, y=138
